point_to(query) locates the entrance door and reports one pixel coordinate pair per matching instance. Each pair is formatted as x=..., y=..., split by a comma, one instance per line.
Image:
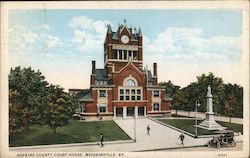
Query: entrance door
x=130, y=111
x=140, y=111
x=119, y=111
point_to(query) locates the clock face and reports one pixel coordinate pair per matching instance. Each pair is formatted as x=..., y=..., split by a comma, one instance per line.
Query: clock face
x=125, y=39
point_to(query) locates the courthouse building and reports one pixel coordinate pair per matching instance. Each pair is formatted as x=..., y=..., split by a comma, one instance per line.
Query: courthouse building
x=123, y=88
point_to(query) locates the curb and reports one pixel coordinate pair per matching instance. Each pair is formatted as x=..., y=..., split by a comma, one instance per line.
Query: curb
x=171, y=148
x=71, y=145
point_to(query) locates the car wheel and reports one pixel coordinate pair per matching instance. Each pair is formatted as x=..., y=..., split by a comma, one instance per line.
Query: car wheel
x=218, y=145
x=233, y=144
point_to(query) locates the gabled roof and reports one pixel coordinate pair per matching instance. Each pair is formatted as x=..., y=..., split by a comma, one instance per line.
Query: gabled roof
x=86, y=98
x=101, y=74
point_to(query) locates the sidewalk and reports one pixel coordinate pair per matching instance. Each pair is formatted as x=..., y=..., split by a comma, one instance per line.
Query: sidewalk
x=202, y=115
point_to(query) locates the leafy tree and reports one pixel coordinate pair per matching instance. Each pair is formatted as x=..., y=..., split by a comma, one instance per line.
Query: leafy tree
x=179, y=101
x=29, y=85
x=217, y=87
x=60, y=107
x=172, y=91
x=237, y=92
x=230, y=105
x=16, y=121
x=198, y=90
x=170, y=88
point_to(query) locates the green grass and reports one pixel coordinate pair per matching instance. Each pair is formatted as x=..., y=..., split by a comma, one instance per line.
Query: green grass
x=232, y=126
x=188, y=125
x=74, y=132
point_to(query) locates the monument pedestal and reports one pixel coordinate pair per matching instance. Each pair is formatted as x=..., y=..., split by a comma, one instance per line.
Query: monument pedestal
x=209, y=123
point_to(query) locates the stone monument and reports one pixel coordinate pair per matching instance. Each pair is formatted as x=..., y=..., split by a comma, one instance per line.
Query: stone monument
x=209, y=123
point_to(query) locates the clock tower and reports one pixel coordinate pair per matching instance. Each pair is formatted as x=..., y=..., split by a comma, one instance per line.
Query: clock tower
x=123, y=88
x=122, y=46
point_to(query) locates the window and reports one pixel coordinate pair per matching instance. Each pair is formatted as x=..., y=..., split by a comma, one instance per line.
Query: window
x=129, y=53
x=101, y=82
x=129, y=94
x=125, y=55
x=138, y=91
x=127, y=97
x=82, y=108
x=121, y=97
x=138, y=97
x=121, y=94
x=102, y=93
x=130, y=83
x=102, y=109
x=114, y=54
x=134, y=55
x=120, y=54
x=156, y=107
x=156, y=93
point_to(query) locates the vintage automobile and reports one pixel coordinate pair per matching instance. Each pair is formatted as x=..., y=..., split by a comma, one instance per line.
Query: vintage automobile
x=222, y=138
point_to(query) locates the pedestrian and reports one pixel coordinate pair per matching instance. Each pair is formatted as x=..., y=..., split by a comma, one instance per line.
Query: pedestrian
x=148, y=130
x=101, y=140
x=182, y=137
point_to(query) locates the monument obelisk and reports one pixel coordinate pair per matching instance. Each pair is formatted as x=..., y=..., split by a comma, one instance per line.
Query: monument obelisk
x=209, y=123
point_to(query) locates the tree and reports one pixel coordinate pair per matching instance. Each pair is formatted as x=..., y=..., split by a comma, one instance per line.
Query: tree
x=170, y=88
x=237, y=92
x=231, y=105
x=60, y=107
x=29, y=85
x=16, y=121
x=172, y=91
x=198, y=90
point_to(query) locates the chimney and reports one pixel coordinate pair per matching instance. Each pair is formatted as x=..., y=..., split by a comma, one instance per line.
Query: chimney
x=93, y=67
x=155, y=69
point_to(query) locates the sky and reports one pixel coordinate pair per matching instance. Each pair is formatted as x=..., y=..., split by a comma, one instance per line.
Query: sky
x=185, y=43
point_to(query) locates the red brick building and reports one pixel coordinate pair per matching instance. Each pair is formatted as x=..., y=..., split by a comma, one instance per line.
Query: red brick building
x=123, y=88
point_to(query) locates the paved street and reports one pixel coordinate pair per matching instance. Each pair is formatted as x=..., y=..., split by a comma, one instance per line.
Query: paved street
x=161, y=137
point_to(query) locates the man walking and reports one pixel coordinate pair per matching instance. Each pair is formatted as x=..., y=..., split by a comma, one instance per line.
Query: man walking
x=101, y=140
x=148, y=130
x=182, y=137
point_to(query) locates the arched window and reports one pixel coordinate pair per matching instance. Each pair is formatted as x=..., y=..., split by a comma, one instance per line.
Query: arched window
x=130, y=83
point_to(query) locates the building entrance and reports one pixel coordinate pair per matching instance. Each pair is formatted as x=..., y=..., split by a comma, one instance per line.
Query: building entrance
x=140, y=111
x=130, y=111
x=119, y=111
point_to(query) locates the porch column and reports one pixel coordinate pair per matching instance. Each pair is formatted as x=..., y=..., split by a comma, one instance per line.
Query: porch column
x=124, y=112
x=145, y=111
x=136, y=112
x=114, y=112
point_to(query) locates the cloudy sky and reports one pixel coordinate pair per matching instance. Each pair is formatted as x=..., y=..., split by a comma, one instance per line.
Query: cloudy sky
x=184, y=43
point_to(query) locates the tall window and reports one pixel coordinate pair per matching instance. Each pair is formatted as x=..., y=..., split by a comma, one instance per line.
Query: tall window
x=102, y=93
x=121, y=94
x=82, y=108
x=156, y=107
x=120, y=54
x=134, y=55
x=125, y=55
x=156, y=93
x=114, y=54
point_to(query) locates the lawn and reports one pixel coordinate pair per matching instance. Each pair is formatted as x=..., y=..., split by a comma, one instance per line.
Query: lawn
x=74, y=132
x=188, y=125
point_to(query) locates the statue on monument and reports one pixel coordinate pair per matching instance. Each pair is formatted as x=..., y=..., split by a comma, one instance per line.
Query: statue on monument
x=209, y=123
